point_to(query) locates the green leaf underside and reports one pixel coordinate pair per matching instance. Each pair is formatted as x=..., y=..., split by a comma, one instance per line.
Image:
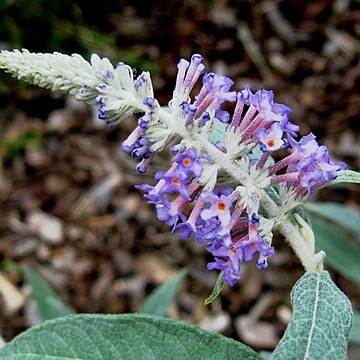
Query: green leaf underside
x=355, y=330
x=256, y=154
x=273, y=192
x=341, y=254
x=321, y=321
x=160, y=299
x=339, y=214
x=219, y=285
x=122, y=337
x=346, y=176
x=301, y=212
x=217, y=132
x=49, y=304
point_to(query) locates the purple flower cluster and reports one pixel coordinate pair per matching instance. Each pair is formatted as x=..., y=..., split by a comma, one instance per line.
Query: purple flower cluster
x=137, y=143
x=179, y=179
x=230, y=236
x=308, y=166
x=266, y=125
x=214, y=92
x=215, y=219
x=224, y=218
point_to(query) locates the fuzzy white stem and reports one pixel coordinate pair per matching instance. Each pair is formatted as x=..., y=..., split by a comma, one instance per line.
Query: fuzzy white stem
x=310, y=260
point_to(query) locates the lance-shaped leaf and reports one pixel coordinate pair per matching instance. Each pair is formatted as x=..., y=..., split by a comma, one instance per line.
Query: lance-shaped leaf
x=122, y=337
x=48, y=303
x=219, y=285
x=340, y=215
x=321, y=321
x=355, y=330
x=341, y=253
x=346, y=176
x=160, y=299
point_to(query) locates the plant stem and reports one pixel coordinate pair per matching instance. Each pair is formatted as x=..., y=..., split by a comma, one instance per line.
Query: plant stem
x=310, y=260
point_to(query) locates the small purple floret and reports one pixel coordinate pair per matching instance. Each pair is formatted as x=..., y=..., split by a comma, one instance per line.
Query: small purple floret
x=188, y=163
x=170, y=215
x=174, y=182
x=253, y=218
x=149, y=102
x=256, y=245
x=271, y=138
x=186, y=230
x=220, y=208
x=140, y=81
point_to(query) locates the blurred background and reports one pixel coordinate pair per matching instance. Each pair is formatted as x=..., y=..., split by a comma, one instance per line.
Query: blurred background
x=68, y=206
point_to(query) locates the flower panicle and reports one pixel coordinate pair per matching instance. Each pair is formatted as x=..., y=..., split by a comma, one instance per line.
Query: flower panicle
x=216, y=188
x=227, y=219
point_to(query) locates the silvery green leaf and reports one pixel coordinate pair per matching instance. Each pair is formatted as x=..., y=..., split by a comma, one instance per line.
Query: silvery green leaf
x=355, y=330
x=339, y=214
x=218, y=131
x=321, y=321
x=159, y=301
x=301, y=212
x=346, y=176
x=341, y=253
x=273, y=192
x=219, y=285
x=256, y=153
x=122, y=337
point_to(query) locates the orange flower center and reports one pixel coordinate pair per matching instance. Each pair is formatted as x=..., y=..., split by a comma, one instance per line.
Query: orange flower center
x=176, y=181
x=221, y=206
x=233, y=250
x=187, y=161
x=271, y=143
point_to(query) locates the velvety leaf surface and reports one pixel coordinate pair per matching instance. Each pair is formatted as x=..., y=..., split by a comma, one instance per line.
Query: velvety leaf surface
x=159, y=301
x=341, y=253
x=341, y=215
x=346, y=176
x=218, y=131
x=355, y=330
x=321, y=321
x=122, y=337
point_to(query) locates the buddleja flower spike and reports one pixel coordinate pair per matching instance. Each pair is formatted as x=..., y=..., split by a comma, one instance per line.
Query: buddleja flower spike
x=223, y=172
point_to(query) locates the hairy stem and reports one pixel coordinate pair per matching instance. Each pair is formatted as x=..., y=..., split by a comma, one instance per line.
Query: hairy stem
x=310, y=260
